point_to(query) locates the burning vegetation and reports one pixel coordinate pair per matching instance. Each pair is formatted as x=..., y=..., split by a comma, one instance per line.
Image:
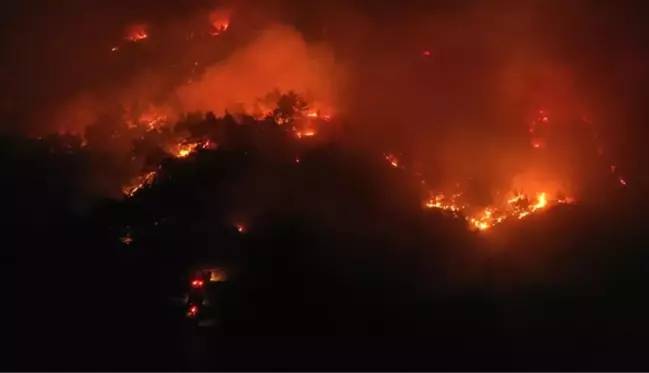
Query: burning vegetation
x=439, y=184
x=294, y=118
x=156, y=130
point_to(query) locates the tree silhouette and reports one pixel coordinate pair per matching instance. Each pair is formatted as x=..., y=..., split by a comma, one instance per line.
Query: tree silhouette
x=288, y=106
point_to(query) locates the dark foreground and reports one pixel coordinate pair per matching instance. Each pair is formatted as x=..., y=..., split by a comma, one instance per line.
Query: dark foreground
x=76, y=309
x=363, y=284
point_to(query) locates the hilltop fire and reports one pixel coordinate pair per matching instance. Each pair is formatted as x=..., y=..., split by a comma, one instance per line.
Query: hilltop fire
x=154, y=121
x=306, y=120
x=518, y=206
x=306, y=123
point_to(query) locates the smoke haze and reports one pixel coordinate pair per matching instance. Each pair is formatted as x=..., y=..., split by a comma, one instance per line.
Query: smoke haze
x=453, y=83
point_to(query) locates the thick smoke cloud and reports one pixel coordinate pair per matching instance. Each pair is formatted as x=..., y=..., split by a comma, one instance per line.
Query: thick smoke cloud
x=458, y=85
x=231, y=71
x=279, y=59
x=453, y=83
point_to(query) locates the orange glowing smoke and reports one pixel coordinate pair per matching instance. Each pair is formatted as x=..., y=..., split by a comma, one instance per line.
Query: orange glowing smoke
x=219, y=21
x=520, y=206
x=538, y=129
x=152, y=118
x=307, y=125
x=279, y=60
x=136, y=32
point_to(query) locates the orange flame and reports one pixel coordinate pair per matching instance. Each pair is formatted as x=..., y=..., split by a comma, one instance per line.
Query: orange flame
x=219, y=21
x=139, y=183
x=136, y=32
x=394, y=162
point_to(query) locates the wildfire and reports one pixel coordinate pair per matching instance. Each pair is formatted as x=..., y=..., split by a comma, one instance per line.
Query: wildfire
x=136, y=33
x=156, y=118
x=219, y=27
x=181, y=150
x=394, y=162
x=184, y=149
x=538, y=129
x=219, y=21
x=439, y=201
x=517, y=207
x=306, y=121
x=482, y=219
x=139, y=183
x=127, y=240
x=306, y=124
x=153, y=119
x=307, y=133
x=318, y=115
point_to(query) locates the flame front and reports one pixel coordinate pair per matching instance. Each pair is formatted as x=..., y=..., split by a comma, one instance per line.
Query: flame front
x=517, y=207
x=306, y=122
x=139, y=183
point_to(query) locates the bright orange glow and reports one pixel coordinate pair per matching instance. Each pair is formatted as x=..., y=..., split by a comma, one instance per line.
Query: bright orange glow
x=139, y=183
x=392, y=160
x=305, y=124
x=537, y=143
x=185, y=150
x=541, y=201
x=217, y=276
x=486, y=218
x=307, y=133
x=219, y=21
x=153, y=117
x=193, y=311
x=136, y=32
